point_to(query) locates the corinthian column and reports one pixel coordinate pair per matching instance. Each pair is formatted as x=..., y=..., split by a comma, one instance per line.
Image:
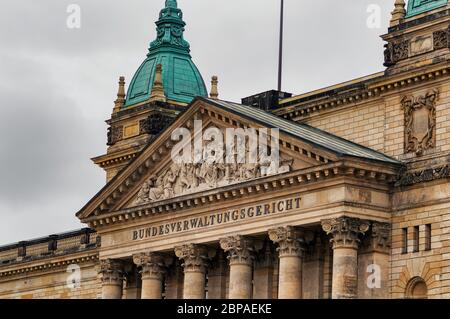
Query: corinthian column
x=240, y=254
x=152, y=270
x=290, y=248
x=195, y=260
x=112, y=278
x=344, y=233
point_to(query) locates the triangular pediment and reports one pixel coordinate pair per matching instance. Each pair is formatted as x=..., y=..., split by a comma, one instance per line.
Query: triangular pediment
x=172, y=180
x=154, y=177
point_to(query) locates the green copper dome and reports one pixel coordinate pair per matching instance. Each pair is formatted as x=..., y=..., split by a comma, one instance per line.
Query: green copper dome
x=181, y=79
x=416, y=7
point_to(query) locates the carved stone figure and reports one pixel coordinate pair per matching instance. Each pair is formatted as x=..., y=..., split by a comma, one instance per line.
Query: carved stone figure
x=143, y=195
x=169, y=180
x=181, y=179
x=157, y=191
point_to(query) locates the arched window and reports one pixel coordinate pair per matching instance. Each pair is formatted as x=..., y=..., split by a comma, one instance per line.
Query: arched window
x=417, y=289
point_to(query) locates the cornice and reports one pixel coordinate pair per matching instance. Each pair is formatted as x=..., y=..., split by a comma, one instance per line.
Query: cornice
x=113, y=159
x=316, y=174
x=48, y=265
x=367, y=91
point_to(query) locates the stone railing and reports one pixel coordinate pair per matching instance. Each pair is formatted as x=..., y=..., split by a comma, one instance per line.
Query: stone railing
x=54, y=245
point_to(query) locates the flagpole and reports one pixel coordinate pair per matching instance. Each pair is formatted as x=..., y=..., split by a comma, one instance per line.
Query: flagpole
x=280, y=53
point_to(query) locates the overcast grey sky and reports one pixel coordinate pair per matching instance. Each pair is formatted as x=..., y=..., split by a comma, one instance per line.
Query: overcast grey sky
x=57, y=85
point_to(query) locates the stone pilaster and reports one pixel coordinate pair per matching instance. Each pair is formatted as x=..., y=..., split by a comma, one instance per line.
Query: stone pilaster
x=291, y=250
x=345, y=235
x=152, y=271
x=195, y=262
x=217, y=277
x=240, y=255
x=263, y=273
x=112, y=278
x=373, y=263
x=381, y=237
x=133, y=282
x=174, y=281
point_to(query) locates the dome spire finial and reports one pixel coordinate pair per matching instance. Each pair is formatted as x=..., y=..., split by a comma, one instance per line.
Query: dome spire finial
x=170, y=29
x=171, y=4
x=180, y=81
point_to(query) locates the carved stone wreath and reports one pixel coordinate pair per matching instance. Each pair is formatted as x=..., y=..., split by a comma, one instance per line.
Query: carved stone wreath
x=420, y=122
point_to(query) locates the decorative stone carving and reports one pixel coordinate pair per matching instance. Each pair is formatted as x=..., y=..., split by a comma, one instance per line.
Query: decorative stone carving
x=426, y=175
x=400, y=51
x=345, y=231
x=195, y=257
x=115, y=134
x=154, y=124
x=151, y=265
x=170, y=28
x=240, y=249
x=111, y=271
x=182, y=179
x=381, y=236
x=290, y=241
x=420, y=122
x=440, y=39
x=388, y=55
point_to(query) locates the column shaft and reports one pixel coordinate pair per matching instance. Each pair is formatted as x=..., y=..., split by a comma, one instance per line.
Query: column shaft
x=240, y=281
x=195, y=261
x=345, y=233
x=152, y=269
x=151, y=288
x=345, y=273
x=194, y=285
x=290, y=278
x=241, y=255
x=290, y=250
x=112, y=278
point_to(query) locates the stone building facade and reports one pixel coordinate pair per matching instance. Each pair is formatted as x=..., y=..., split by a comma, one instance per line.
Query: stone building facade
x=358, y=208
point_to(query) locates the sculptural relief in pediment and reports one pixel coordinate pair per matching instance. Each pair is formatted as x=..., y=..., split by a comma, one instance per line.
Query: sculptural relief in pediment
x=214, y=169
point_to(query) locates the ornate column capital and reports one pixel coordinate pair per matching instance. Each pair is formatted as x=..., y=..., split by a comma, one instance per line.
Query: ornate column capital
x=151, y=265
x=195, y=257
x=345, y=231
x=111, y=271
x=381, y=236
x=240, y=249
x=291, y=241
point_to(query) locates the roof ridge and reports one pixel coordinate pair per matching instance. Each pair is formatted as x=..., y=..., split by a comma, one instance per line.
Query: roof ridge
x=359, y=151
